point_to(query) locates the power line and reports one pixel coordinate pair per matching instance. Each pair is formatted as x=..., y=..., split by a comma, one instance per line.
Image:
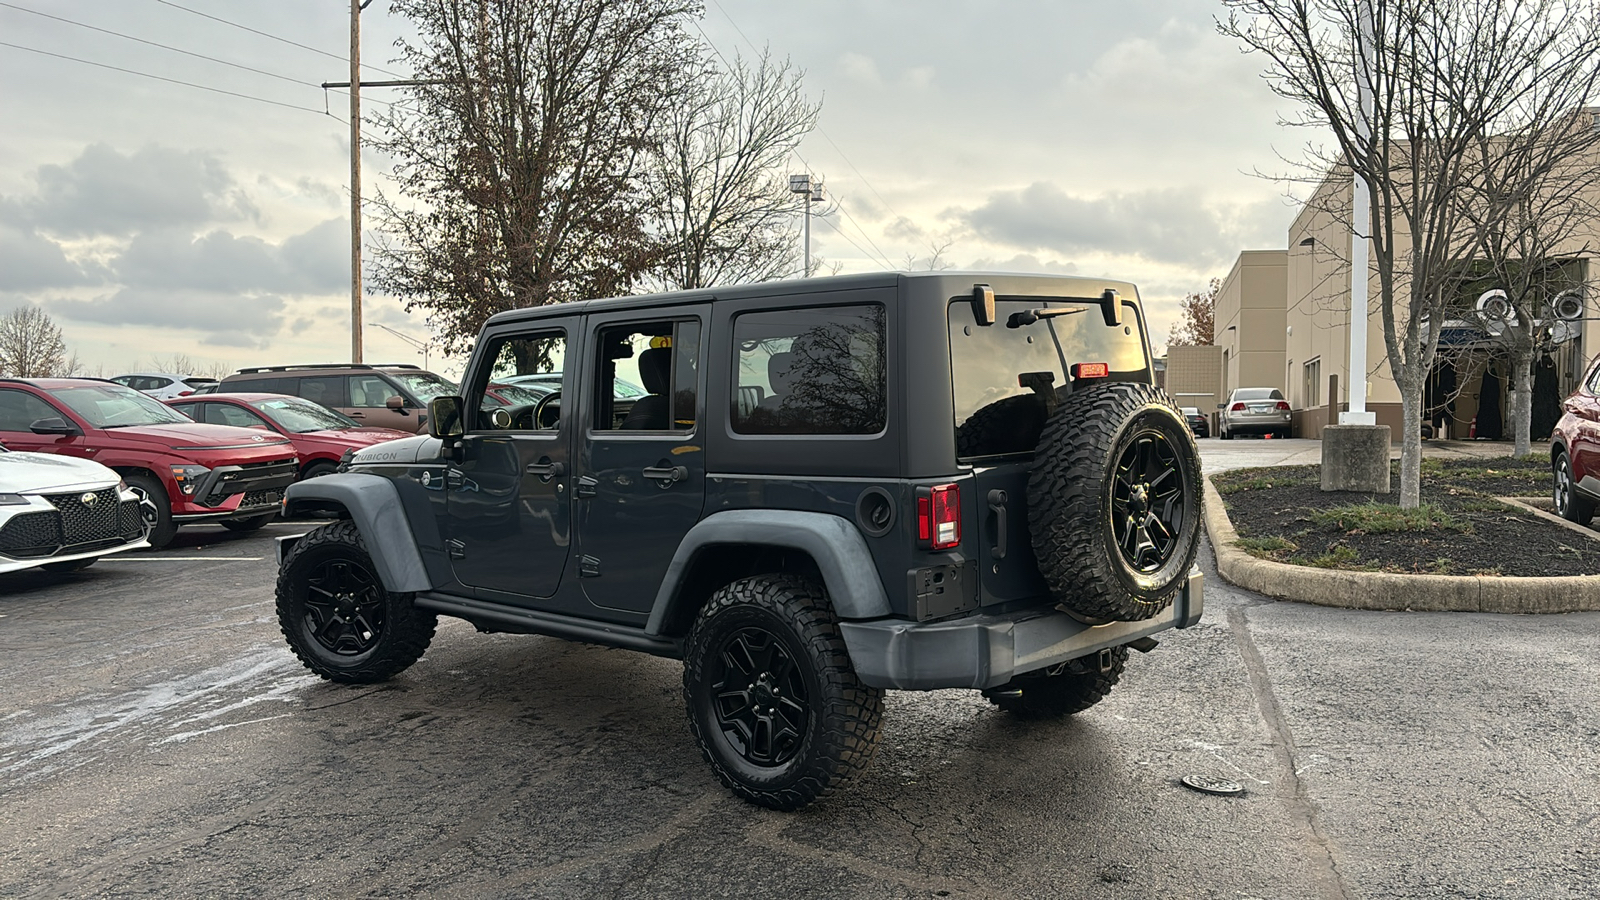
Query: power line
x=820, y=129
x=191, y=84
x=282, y=40
x=796, y=154
x=140, y=40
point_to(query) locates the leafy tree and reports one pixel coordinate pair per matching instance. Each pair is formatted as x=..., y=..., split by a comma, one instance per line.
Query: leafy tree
x=1197, y=318
x=519, y=166
x=1441, y=78
x=31, y=345
x=725, y=213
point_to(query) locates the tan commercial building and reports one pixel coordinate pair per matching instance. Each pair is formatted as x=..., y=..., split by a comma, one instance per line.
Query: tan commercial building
x=1250, y=310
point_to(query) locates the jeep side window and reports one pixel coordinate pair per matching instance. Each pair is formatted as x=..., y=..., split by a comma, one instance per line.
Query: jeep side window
x=661, y=358
x=514, y=357
x=818, y=370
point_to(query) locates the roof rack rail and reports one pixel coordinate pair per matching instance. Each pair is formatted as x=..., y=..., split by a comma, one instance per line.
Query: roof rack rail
x=252, y=370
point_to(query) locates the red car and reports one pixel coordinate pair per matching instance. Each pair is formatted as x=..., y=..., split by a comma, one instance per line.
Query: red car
x=320, y=435
x=1575, y=451
x=182, y=471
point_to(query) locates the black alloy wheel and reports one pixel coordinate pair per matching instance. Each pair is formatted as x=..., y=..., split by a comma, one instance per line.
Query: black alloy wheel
x=344, y=607
x=1147, y=501
x=762, y=707
x=773, y=701
x=338, y=617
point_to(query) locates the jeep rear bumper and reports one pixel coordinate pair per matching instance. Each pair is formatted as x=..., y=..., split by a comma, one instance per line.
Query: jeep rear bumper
x=985, y=651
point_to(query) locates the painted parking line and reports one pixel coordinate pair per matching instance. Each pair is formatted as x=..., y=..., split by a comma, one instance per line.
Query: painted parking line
x=182, y=559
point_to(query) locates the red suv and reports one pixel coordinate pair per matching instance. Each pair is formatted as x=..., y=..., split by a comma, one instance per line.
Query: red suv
x=321, y=436
x=182, y=471
x=1575, y=450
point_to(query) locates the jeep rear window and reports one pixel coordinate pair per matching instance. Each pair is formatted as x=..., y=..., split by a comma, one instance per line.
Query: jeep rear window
x=818, y=370
x=1001, y=376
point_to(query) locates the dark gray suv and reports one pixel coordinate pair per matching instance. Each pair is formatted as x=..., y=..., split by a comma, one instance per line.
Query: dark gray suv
x=830, y=488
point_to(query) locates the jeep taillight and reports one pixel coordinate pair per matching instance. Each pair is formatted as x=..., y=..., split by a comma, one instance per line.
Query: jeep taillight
x=1237, y=407
x=939, y=516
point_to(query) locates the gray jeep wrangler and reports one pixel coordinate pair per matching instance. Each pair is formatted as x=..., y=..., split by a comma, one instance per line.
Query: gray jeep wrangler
x=808, y=491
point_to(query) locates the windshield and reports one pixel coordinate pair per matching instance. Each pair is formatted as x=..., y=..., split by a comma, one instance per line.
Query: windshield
x=301, y=416
x=1006, y=379
x=517, y=394
x=425, y=385
x=115, y=406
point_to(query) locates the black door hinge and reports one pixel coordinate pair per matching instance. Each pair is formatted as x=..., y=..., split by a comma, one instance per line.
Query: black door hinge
x=456, y=549
x=588, y=566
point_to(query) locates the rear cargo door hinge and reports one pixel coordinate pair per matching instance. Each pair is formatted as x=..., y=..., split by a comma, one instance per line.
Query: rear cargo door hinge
x=456, y=549
x=588, y=566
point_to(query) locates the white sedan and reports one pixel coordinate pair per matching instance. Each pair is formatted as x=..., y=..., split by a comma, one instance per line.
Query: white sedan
x=63, y=513
x=166, y=385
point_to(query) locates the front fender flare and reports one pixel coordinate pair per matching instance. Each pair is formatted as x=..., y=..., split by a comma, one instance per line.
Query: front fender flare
x=841, y=553
x=373, y=503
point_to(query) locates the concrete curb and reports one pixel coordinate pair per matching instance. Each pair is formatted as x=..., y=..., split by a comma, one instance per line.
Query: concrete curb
x=1388, y=590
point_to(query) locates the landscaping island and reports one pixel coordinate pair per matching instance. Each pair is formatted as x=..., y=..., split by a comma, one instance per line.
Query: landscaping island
x=1281, y=514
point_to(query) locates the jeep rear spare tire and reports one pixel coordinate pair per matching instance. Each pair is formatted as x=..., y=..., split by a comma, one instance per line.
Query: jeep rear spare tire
x=1114, y=501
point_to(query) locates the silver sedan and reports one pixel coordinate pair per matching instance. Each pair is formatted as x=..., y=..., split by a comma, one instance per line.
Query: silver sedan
x=1254, y=411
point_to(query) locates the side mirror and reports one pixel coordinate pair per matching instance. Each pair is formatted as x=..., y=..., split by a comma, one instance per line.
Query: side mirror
x=983, y=304
x=52, y=425
x=1111, y=308
x=395, y=403
x=444, y=418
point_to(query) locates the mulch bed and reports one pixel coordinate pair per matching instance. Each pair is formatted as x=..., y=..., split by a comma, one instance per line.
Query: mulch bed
x=1280, y=514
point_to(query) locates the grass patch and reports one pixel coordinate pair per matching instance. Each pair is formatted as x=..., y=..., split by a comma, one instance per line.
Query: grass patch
x=1382, y=518
x=1338, y=558
x=1266, y=547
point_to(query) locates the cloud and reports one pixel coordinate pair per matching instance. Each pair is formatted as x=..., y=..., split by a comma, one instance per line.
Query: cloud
x=108, y=193
x=1025, y=262
x=226, y=318
x=860, y=69
x=32, y=262
x=1173, y=225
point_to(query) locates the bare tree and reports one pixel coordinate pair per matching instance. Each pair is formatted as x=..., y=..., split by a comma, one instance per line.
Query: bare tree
x=1442, y=77
x=1532, y=206
x=935, y=260
x=1197, y=318
x=725, y=212
x=31, y=345
x=518, y=170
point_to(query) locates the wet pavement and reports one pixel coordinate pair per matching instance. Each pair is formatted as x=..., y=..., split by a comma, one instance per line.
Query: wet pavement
x=157, y=739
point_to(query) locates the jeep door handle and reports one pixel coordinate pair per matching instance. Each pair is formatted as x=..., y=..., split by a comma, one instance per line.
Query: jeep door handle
x=546, y=469
x=667, y=476
x=997, y=505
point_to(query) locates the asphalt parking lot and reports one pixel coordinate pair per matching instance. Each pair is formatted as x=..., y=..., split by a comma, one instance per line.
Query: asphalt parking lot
x=157, y=739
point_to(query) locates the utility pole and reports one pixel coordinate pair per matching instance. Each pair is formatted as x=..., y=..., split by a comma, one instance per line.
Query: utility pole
x=355, y=179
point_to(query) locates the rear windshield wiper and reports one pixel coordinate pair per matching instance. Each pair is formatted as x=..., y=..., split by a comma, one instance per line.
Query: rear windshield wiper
x=1030, y=316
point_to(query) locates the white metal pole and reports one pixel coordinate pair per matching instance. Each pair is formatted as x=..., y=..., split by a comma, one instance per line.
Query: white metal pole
x=807, y=267
x=1360, y=231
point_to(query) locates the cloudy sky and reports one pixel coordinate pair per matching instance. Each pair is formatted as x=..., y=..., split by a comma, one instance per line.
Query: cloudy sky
x=152, y=218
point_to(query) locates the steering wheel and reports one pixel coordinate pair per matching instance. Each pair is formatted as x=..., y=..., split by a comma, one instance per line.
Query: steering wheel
x=544, y=416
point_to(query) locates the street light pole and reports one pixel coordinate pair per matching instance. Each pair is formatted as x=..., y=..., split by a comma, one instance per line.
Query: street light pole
x=422, y=346
x=801, y=184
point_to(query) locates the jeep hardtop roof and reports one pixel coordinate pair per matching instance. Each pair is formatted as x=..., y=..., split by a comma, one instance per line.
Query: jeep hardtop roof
x=950, y=283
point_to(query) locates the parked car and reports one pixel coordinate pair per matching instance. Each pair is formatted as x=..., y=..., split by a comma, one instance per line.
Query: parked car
x=1575, y=451
x=321, y=436
x=1261, y=411
x=1198, y=423
x=831, y=488
x=164, y=385
x=182, y=471
x=61, y=514
x=387, y=396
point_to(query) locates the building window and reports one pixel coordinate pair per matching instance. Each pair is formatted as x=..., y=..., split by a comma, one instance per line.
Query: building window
x=1312, y=389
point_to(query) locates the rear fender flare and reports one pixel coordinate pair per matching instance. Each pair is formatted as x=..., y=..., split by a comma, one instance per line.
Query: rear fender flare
x=373, y=503
x=848, y=572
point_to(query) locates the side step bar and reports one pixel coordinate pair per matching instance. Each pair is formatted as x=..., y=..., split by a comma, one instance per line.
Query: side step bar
x=527, y=621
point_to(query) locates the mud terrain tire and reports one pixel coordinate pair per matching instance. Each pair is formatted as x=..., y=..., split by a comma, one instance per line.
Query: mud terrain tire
x=1114, y=501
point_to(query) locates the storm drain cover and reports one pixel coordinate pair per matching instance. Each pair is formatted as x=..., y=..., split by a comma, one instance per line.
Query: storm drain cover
x=1211, y=784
